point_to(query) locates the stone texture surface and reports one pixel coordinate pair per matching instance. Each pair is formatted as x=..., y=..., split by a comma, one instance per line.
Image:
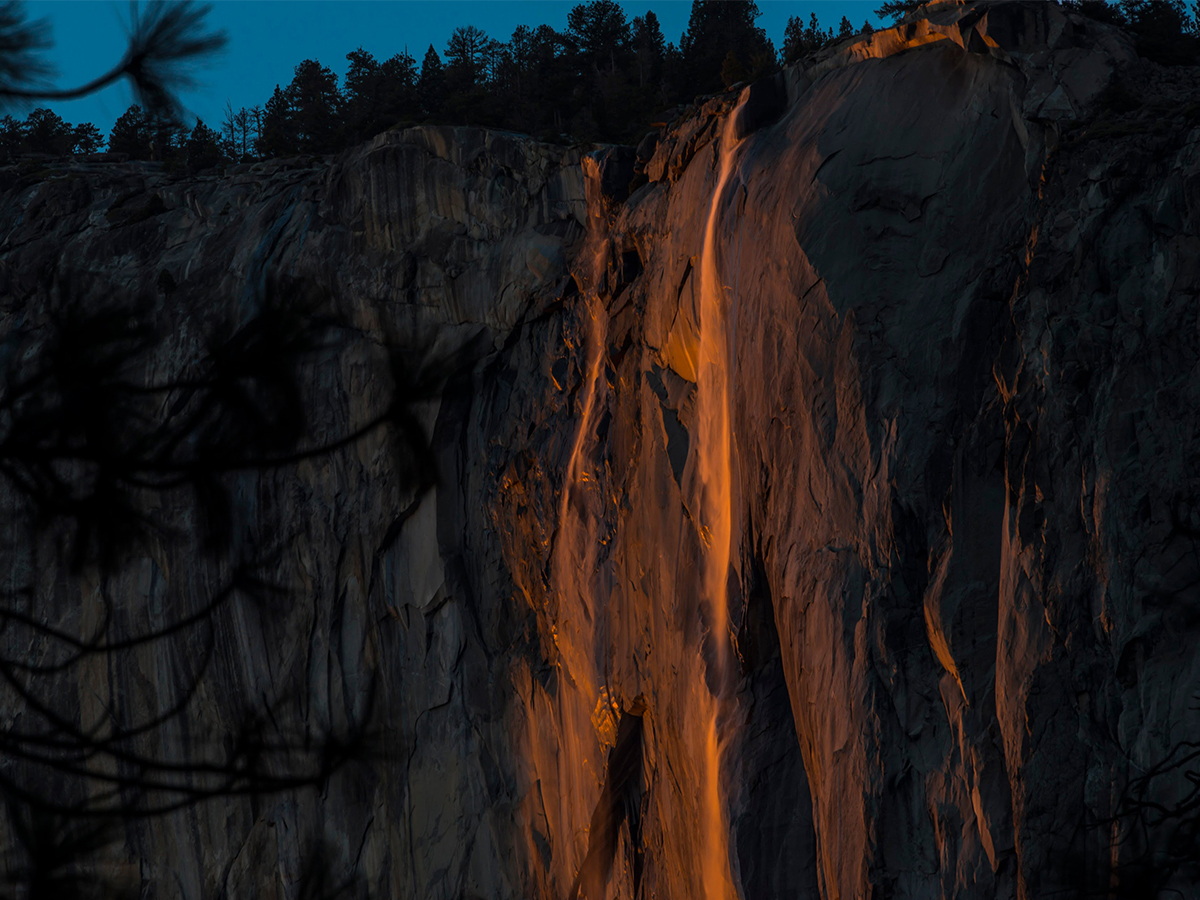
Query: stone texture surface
x=962, y=329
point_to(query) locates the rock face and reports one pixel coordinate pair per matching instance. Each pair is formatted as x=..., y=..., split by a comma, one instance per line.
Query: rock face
x=816, y=520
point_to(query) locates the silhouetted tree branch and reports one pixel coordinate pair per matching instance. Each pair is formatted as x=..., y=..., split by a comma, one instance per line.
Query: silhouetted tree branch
x=164, y=39
x=100, y=426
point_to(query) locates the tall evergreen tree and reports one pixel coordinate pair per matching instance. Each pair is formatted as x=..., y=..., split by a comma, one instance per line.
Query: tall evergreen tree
x=254, y=125
x=316, y=107
x=897, y=9
x=378, y=95
x=87, y=138
x=168, y=137
x=46, y=132
x=469, y=57
x=800, y=39
x=649, y=49
x=12, y=137
x=431, y=86
x=534, y=78
x=131, y=134
x=600, y=42
x=277, y=136
x=466, y=57
x=600, y=35
x=203, y=147
x=397, y=89
x=716, y=29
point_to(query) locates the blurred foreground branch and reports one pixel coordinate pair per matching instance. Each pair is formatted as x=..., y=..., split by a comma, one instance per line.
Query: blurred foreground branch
x=165, y=40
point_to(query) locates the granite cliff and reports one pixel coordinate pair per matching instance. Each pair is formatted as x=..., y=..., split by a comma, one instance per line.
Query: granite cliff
x=816, y=499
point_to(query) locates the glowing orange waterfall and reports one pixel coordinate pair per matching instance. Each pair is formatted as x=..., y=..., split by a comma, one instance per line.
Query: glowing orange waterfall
x=575, y=758
x=575, y=545
x=714, y=470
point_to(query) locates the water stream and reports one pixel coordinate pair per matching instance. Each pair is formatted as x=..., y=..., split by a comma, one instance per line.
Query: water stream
x=586, y=714
x=583, y=719
x=714, y=472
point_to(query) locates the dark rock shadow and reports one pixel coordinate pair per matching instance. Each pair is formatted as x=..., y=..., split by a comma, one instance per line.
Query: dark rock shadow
x=773, y=830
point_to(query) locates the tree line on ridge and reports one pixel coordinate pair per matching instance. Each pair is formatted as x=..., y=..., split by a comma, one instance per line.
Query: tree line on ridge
x=604, y=77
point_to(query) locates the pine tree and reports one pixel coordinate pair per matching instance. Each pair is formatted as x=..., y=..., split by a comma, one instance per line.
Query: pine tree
x=600, y=35
x=203, y=147
x=254, y=124
x=800, y=39
x=431, y=87
x=316, y=106
x=131, y=134
x=12, y=137
x=732, y=70
x=397, y=89
x=277, y=136
x=360, y=89
x=377, y=95
x=87, y=139
x=716, y=29
x=467, y=55
x=649, y=48
x=168, y=137
x=897, y=9
x=46, y=132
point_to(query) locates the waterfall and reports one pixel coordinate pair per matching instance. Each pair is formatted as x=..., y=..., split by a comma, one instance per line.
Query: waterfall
x=714, y=471
x=582, y=713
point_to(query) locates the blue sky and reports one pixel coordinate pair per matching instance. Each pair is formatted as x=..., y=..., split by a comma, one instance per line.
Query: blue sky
x=268, y=37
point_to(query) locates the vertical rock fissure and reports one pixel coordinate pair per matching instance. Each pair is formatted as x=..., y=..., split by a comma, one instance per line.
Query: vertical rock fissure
x=772, y=828
x=620, y=803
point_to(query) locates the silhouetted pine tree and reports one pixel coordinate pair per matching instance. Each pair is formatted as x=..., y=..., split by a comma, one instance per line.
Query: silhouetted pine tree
x=131, y=134
x=88, y=138
x=649, y=50
x=470, y=55
x=316, y=107
x=12, y=138
x=378, y=95
x=277, y=137
x=600, y=36
x=602, y=60
x=167, y=138
x=203, y=147
x=715, y=30
x=897, y=9
x=46, y=132
x=431, y=86
x=799, y=39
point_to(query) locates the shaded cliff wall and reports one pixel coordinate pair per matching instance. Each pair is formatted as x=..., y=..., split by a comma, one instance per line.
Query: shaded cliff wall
x=442, y=239
x=954, y=301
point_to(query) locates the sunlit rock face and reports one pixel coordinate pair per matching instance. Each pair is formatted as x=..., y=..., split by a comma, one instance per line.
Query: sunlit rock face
x=898, y=339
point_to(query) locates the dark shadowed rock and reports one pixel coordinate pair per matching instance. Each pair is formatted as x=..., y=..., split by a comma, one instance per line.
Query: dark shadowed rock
x=764, y=102
x=613, y=170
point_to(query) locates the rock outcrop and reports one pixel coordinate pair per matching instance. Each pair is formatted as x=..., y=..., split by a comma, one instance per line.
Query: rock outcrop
x=816, y=498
